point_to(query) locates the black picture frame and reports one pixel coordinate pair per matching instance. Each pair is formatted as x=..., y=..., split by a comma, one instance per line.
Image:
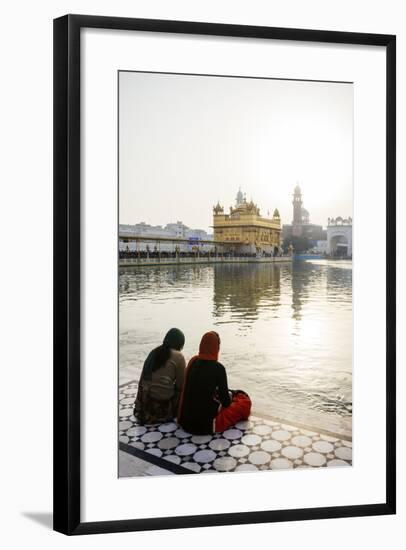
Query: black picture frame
x=67, y=287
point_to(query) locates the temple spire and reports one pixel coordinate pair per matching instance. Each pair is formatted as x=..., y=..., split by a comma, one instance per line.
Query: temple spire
x=239, y=199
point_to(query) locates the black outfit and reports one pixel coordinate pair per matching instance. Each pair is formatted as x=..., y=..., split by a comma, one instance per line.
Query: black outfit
x=205, y=389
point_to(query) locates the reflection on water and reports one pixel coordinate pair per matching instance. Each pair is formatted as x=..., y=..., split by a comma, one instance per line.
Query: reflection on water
x=286, y=329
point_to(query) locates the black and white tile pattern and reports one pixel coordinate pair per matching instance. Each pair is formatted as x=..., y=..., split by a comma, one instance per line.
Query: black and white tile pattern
x=254, y=444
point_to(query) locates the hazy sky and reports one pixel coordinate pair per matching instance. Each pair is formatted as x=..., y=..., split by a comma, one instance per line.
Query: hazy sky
x=188, y=141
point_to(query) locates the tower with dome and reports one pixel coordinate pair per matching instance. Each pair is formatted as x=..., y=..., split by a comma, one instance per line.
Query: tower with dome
x=301, y=226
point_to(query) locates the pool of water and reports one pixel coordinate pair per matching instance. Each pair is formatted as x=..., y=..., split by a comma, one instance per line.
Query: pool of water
x=286, y=330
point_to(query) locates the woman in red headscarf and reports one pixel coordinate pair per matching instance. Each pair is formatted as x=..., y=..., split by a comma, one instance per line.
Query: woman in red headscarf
x=206, y=404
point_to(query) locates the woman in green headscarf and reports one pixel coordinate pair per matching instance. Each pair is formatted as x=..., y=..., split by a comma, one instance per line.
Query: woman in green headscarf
x=161, y=381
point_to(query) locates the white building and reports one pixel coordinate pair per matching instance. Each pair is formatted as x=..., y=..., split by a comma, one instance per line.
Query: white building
x=176, y=231
x=339, y=237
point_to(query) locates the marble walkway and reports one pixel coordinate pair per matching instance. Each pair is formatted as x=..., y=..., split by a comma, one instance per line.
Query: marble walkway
x=260, y=443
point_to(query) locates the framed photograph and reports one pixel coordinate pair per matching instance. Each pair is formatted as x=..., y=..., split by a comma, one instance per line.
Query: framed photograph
x=224, y=274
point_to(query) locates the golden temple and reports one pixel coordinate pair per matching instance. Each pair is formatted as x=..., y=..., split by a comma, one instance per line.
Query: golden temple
x=245, y=229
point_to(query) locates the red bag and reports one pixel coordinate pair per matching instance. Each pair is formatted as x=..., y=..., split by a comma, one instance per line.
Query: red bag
x=239, y=409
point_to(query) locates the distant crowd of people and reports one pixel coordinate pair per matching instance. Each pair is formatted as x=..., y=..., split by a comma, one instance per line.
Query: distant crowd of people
x=155, y=253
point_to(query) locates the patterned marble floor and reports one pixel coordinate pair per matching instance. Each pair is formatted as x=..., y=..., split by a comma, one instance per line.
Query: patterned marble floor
x=256, y=444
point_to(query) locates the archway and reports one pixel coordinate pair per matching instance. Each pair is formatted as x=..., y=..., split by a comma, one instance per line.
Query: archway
x=339, y=246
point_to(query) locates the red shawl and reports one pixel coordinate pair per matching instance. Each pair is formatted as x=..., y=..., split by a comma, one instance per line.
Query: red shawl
x=209, y=350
